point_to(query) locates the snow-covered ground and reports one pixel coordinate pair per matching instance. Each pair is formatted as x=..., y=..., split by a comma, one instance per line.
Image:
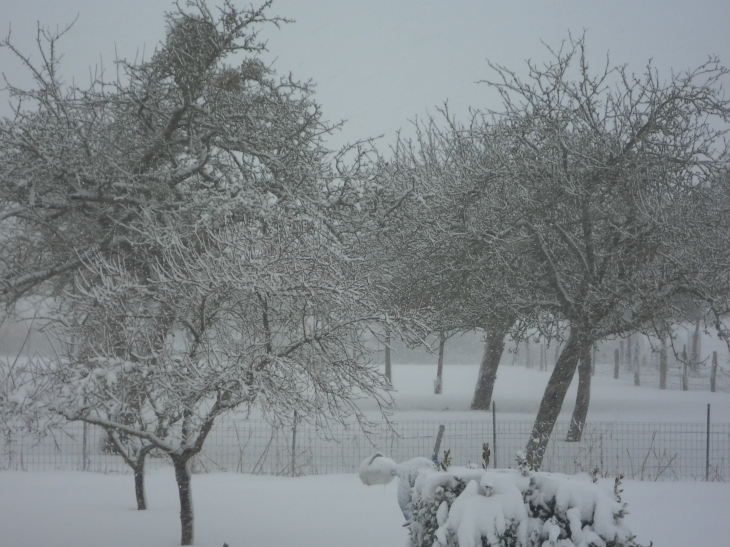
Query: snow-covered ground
x=518, y=391
x=74, y=509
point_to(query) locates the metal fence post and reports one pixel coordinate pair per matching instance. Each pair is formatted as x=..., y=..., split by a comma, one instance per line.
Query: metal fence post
x=707, y=450
x=494, y=433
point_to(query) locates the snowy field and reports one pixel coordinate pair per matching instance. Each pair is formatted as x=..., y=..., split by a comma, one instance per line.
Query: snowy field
x=75, y=509
x=518, y=390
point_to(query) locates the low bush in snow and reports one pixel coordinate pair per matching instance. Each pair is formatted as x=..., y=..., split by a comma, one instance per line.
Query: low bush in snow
x=514, y=508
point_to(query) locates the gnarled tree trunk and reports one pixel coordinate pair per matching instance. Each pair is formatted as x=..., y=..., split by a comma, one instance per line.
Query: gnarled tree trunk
x=553, y=398
x=139, y=490
x=493, y=349
x=182, y=476
x=583, y=399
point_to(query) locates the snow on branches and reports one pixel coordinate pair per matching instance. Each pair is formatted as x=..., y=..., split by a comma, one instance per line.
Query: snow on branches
x=473, y=507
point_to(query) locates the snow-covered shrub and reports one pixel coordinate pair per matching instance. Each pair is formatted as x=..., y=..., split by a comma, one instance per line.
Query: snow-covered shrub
x=428, y=512
x=465, y=507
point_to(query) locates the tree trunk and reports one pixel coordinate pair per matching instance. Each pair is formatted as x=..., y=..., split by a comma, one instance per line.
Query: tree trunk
x=616, y=363
x=621, y=351
x=136, y=462
x=139, y=491
x=713, y=374
x=387, y=357
x=580, y=412
x=696, y=346
x=493, y=349
x=663, y=365
x=438, y=384
x=182, y=476
x=85, y=446
x=552, y=399
x=594, y=359
x=187, y=426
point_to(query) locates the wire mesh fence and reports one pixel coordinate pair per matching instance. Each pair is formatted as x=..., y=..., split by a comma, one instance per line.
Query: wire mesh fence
x=644, y=451
x=698, y=378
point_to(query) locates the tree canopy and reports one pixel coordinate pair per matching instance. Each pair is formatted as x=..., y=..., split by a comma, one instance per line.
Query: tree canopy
x=584, y=200
x=194, y=240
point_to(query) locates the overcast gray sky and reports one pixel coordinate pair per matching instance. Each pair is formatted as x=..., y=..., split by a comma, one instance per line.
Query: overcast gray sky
x=379, y=63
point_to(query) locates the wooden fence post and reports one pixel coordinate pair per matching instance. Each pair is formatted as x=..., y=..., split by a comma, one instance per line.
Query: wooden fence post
x=437, y=445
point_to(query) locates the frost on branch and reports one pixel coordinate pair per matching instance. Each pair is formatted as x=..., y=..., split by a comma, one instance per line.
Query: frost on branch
x=244, y=318
x=197, y=238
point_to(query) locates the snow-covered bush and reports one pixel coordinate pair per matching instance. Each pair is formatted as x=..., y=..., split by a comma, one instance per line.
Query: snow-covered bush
x=508, y=508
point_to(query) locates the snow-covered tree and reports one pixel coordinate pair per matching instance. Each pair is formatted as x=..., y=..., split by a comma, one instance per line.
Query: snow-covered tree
x=612, y=173
x=439, y=253
x=582, y=204
x=237, y=319
x=197, y=239
x=185, y=134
